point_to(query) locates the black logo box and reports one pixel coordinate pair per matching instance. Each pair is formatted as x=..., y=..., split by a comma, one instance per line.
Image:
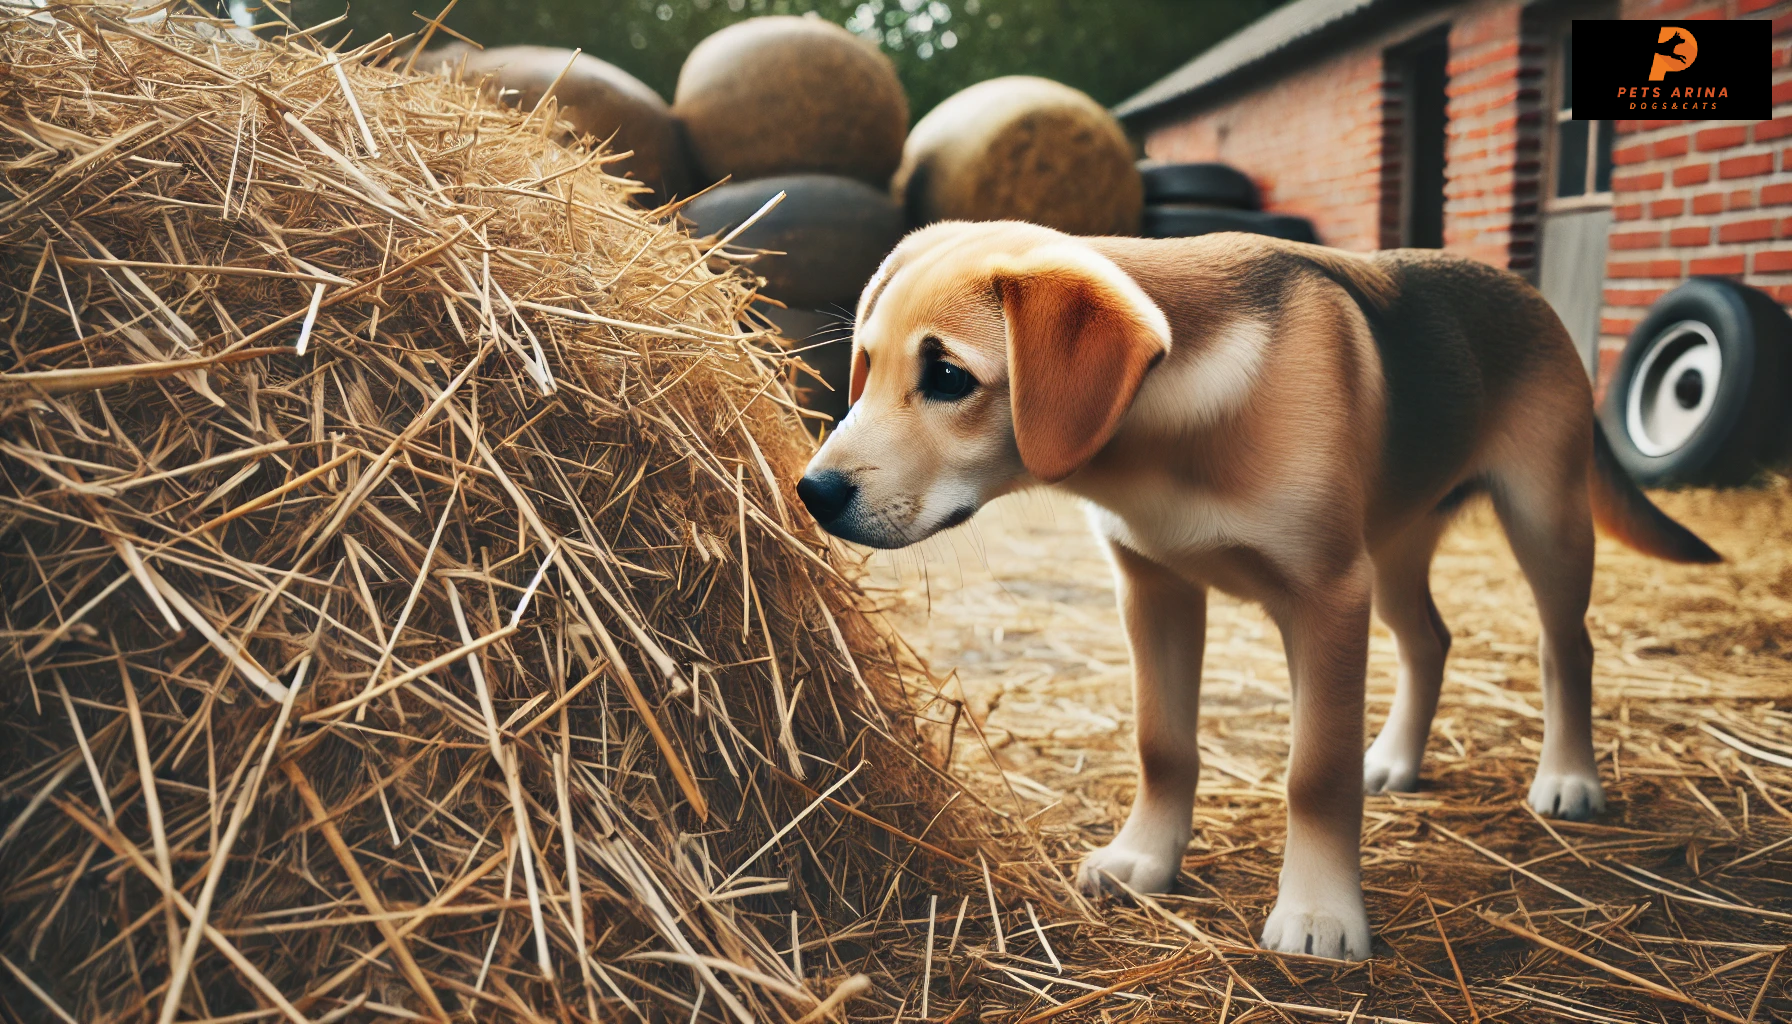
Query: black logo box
x=1730, y=77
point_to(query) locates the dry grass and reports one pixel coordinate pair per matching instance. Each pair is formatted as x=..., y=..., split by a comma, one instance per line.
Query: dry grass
x=405, y=613
x=1676, y=904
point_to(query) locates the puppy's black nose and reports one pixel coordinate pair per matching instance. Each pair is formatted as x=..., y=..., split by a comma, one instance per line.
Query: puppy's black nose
x=826, y=494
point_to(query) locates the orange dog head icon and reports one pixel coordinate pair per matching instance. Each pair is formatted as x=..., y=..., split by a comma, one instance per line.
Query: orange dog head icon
x=1675, y=50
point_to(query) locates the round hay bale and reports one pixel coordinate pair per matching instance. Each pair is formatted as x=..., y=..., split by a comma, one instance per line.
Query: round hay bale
x=830, y=233
x=1021, y=148
x=598, y=98
x=784, y=95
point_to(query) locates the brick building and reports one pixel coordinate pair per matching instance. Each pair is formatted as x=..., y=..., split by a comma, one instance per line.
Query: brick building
x=1406, y=122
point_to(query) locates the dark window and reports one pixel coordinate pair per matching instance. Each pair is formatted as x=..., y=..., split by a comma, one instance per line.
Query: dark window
x=1583, y=148
x=1602, y=158
x=1571, y=158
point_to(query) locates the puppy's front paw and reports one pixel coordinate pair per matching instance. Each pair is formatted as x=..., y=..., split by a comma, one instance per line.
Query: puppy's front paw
x=1336, y=926
x=1143, y=868
x=1575, y=795
x=1388, y=771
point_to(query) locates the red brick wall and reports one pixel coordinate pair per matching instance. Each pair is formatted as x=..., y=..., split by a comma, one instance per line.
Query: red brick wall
x=1314, y=142
x=1311, y=141
x=1700, y=197
x=1481, y=156
x=1691, y=198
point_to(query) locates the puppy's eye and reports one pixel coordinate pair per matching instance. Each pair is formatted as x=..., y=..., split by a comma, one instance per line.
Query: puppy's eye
x=946, y=382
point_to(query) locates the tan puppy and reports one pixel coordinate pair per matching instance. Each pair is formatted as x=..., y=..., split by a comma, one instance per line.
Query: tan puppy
x=1288, y=423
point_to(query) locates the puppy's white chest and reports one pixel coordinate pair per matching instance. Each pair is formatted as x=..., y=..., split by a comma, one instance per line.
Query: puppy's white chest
x=1170, y=525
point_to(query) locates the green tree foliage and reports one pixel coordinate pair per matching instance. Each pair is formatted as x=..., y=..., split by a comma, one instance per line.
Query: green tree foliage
x=1108, y=48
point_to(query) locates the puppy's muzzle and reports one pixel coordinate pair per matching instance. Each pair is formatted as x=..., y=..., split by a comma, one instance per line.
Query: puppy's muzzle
x=826, y=495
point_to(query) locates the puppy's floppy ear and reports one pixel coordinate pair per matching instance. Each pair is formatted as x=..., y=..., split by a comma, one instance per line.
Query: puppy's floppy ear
x=1081, y=335
x=874, y=289
x=861, y=368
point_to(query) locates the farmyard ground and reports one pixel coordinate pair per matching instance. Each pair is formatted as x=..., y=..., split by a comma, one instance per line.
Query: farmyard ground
x=1675, y=903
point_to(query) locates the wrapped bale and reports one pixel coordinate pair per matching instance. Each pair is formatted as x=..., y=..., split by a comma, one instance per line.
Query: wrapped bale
x=408, y=611
x=822, y=241
x=818, y=247
x=1021, y=148
x=787, y=95
x=600, y=100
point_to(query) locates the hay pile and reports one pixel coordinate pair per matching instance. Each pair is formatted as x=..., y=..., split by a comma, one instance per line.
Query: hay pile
x=380, y=487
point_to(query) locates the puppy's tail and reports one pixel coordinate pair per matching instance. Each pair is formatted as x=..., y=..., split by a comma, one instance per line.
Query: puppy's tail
x=1625, y=512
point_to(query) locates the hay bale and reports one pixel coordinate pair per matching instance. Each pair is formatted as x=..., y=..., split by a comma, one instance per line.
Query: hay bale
x=823, y=241
x=787, y=95
x=1021, y=148
x=599, y=100
x=402, y=561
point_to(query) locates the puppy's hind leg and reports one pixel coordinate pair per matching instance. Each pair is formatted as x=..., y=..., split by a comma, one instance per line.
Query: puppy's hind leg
x=1403, y=601
x=1543, y=504
x=1166, y=627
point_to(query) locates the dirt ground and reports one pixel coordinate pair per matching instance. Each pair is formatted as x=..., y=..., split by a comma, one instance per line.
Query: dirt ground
x=1674, y=904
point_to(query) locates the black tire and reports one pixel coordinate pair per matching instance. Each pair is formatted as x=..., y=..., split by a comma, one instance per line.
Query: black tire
x=1186, y=221
x=1200, y=184
x=1666, y=421
x=832, y=231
